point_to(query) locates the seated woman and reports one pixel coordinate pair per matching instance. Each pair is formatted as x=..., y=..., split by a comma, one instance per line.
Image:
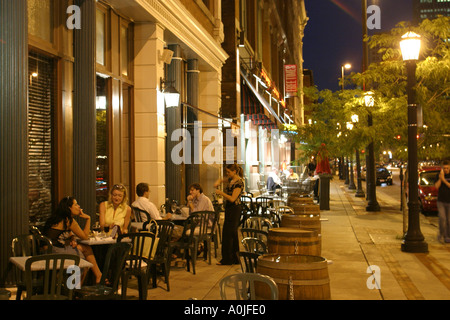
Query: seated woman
x=115, y=211
x=61, y=229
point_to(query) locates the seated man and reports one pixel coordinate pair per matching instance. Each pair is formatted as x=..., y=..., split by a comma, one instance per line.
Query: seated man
x=197, y=201
x=292, y=175
x=143, y=203
x=273, y=181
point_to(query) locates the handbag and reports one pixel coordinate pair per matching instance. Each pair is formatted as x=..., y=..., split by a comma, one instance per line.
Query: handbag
x=148, y=241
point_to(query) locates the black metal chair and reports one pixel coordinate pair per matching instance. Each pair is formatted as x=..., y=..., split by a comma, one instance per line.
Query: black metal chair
x=242, y=286
x=248, y=261
x=186, y=245
x=163, y=254
x=203, y=231
x=137, y=261
x=54, y=281
x=138, y=217
x=29, y=245
x=112, y=270
x=254, y=233
x=254, y=245
x=262, y=205
x=248, y=208
x=216, y=233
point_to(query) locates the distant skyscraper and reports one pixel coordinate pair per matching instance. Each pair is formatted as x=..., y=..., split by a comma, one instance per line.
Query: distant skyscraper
x=430, y=9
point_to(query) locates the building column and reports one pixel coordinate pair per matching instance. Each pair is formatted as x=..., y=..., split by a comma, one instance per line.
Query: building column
x=192, y=169
x=149, y=125
x=84, y=115
x=14, y=217
x=175, y=177
x=210, y=101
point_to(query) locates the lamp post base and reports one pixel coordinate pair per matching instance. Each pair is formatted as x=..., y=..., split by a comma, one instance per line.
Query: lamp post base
x=414, y=246
x=373, y=207
x=359, y=193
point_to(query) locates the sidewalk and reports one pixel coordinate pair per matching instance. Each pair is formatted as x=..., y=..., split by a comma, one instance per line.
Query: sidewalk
x=355, y=239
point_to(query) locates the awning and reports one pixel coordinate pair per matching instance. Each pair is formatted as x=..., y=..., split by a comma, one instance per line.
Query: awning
x=260, y=98
x=254, y=111
x=249, y=103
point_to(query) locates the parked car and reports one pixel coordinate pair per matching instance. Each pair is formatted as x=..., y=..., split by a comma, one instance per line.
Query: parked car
x=383, y=175
x=427, y=192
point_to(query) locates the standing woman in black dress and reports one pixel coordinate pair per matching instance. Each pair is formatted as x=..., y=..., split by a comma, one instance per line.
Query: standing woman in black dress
x=232, y=196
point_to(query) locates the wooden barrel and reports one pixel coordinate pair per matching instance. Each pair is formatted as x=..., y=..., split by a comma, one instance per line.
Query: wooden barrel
x=302, y=221
x=294, y=199
x=298, y=277
x=294, y=241
x=306, y=208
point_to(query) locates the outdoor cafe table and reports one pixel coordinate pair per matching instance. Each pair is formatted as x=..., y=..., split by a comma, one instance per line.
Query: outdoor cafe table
x=99, y=240
x=40, y=265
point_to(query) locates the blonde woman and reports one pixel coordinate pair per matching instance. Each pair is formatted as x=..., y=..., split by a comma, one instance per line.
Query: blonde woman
x=115, y=211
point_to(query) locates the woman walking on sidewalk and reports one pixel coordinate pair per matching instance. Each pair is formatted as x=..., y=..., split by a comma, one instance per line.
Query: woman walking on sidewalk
x=443, y=202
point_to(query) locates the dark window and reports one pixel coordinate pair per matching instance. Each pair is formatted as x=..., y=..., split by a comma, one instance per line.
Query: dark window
x=102, y=154
x=40, y=146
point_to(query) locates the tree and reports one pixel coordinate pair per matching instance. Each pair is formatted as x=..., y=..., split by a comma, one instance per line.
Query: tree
x=388, y=79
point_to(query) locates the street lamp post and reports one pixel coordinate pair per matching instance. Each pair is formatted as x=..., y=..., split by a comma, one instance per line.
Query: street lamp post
x=372, y=203
x=414, y=239
x=359, y=191
x=346, y=172
x=351, y=184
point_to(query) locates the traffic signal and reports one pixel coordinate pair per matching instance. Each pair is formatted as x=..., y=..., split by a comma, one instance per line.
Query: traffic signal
x=398, y=137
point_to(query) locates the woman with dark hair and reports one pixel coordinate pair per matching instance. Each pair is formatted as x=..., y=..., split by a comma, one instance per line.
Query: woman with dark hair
x=232, y=196
x=61, y=229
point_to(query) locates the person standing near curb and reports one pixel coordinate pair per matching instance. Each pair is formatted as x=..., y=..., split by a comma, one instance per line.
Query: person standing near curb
x=443, y=202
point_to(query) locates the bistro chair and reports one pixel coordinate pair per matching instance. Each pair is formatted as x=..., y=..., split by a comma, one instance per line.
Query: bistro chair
x=215, y=234
x=186, y=245
x=242, y=286
x=203, y=231
x=248, y=208
x=254, y=245
x=262, y=205
x=163, y=254
x=139, y=214
x=248, y=261
x=112, y=270
x=259, y=223
x=54, y=282
x=137, y=262
x=29, y=245
x=255, y=233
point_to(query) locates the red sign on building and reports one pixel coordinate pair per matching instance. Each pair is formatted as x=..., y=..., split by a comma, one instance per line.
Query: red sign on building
x=290, y=80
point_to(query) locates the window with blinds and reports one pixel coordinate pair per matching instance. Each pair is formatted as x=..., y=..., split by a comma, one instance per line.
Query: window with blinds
x=40, y=111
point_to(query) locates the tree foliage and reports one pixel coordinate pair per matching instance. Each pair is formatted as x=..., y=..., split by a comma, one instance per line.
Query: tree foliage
x=387, y=80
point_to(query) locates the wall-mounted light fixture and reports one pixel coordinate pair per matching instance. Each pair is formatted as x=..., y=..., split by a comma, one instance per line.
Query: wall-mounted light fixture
x=166, y=56
x=171, y=95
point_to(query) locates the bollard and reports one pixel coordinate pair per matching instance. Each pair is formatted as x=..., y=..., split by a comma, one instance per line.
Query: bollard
x=324, y=191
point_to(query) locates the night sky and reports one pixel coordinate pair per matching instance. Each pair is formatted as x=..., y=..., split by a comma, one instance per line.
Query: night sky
x=333, y=35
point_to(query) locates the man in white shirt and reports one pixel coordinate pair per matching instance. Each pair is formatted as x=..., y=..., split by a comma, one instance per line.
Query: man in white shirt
x=143, y=203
